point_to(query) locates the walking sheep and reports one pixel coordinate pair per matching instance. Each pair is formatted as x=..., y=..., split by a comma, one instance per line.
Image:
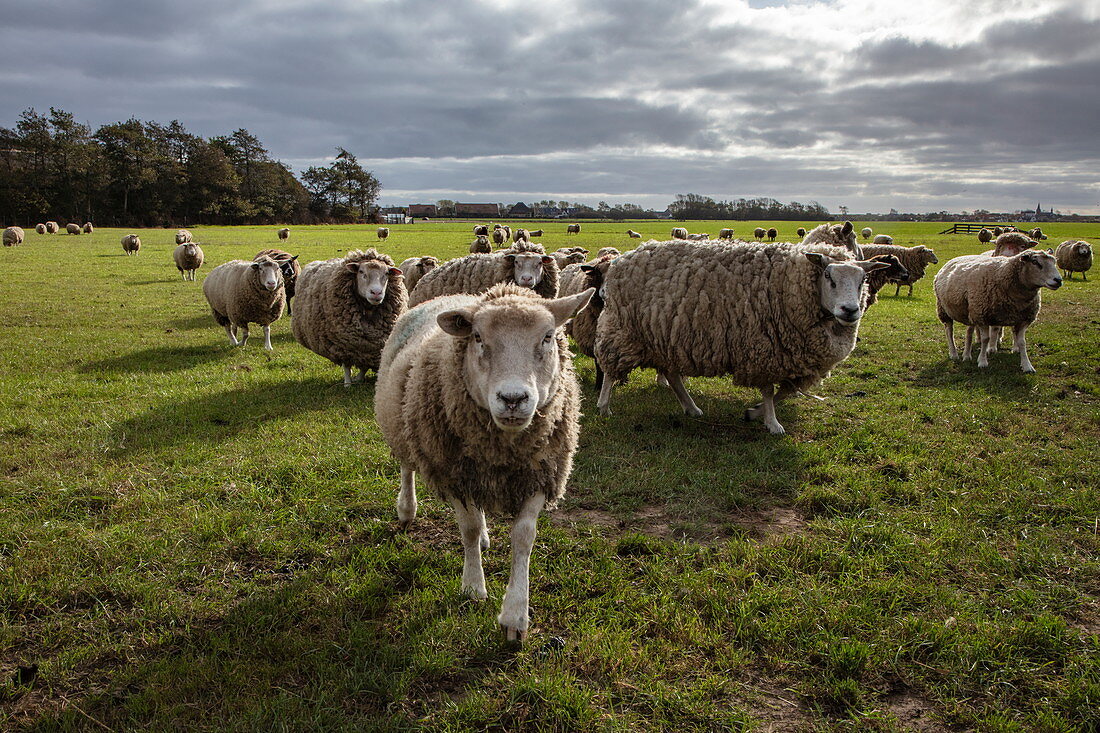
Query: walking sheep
x=478, y=395
x=759, y=232
x=914, y=259
x=573, y=229
x=784, y=314
x=291, y=268
x=679, y=233
x=347, y=307
x=866, y=232
x=383, y=233
x=1074, y=255
x=13, y=236
x=40, y=229
x=72, y=228
x=284, y=234
x=88, y=228
x=480, y=244
x=989, y=293
x=633, y=234
x=772, y=234
x=241, y=292
x=415, y=268
x=524, y=263
x=188, y=258
x=52, y=227
x=131, y=243
x=800, y=232
x=183, y=237
x=883, y=239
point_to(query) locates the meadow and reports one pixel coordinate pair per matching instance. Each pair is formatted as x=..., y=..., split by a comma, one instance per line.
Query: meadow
x=195, y=536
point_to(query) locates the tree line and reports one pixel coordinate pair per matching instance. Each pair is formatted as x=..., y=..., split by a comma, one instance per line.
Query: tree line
x=137, y=173
x=693, y=206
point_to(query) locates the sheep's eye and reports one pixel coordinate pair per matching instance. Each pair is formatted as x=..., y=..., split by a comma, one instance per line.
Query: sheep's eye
x=477, y=337
x=549, y=337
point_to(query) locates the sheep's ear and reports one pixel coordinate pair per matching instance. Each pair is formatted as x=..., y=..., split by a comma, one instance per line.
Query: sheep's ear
x=458, y=323
x=352, y=266
x=565, y=308
x=396, y=271
x=847, y=228
x=588, y=269
x=255, y=265
x=510, y=258
x=1050, y=251
x=872, y=265
x=294, y=257
x=547, y=259
x=822, y=261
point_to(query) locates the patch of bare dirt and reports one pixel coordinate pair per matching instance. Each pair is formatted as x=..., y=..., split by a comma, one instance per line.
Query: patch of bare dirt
x=776, y=709
x=914, y=712
x=655, y=521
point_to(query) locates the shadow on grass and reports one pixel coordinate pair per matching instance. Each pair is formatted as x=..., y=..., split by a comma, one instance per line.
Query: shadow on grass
x=148, y=282
x=194, y=323
x=158, y=359
x=1002, y=377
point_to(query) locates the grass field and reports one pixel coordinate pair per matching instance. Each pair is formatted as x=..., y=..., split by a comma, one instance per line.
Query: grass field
x=199, y=537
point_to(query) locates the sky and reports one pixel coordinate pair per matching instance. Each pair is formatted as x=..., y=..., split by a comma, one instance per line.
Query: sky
x=925, y=105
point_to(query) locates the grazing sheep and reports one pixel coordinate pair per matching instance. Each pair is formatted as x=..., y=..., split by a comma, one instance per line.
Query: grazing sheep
x=998, y=231
x=883, y=239
x=188, y=258
x=383, y=233
x=772, y=234
x=284, y=234
x=478, y=395
x=633, y=234
x=725, y=234
x=183, y=237
x=535, y=233
x=985, y=236
x=415, y=268
x=570, y=256
x=801, y=232
x=576, y=279
x=52, y=227
x=679, y=233
x=481, y=230
x=605, y=251
x=88, y=228
x=131, y=243
x=836, y=235
x=1037, y=234
x=699, y=237
x=989, y=293
x=40, y=229
x=877, y=279
x=784, y=314
x=480, y=244
x=13, y=236
x=72, y=228
x=291, y=268
x=1074, y=255
x=866, y=232
x=347, y=307
x=913, y=259
x=759, y=232
x=499, y=237
x=521, y=234
x=573, y=229
x=241, y=292
x=524, y=263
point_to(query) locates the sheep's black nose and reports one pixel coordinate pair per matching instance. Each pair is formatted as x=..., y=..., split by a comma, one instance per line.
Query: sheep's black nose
x=514, y=400
x=849, y=311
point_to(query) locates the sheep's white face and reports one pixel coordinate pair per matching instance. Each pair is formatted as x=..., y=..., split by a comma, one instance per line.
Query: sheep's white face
x=371, y=279
x=1083, y=249
x=426, y=265
x=511, y=365
x=528, y=268
x=271, y=277
x=190, y=250
x=927, y=255
x=1040, y=269
x=840, y=285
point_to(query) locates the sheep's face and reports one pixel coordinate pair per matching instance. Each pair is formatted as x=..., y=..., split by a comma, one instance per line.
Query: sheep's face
x=1083, y=249
x=840, y=285
x=271, y=277
x=866, y=232
x=527, y=268
x=191, y=250
x=372, y=278
x=1040, y=270
x=427, y=264
x=512, y=345
x=896, y=270
x=287, y=267
x=927, y=255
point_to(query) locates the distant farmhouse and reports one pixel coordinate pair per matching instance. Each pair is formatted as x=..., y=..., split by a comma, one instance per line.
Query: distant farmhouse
x=477, y=209
x=521, y=210
x=422, y=210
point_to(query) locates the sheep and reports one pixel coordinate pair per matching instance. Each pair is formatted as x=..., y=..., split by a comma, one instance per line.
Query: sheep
x=291, y=268
x=478, y=395
x=605, y=251
x=415, y=268
x=576, y=279
x=882, y=239
x=535, y=233
x=131, y=243
x=759, y=232
x=499, y=237
x=88, y=228
x=72, y=228
x=998, y=231
x=1037, y=234
x=573, y=229
x=241, y=292
x=183, y=237
x=989, y=293
x=481, y=230
x=13, y=236
x=772, y=234
x=347, y=307
x=383, y=233
x=633, y=234
x=679, y=233
x=521, y=234
x=877, y=279
x=284, y=234
x=800, y=232
x=784, y=314
x=725, y=234
x=1010, y=244
x=480, y=244
x=836, y=235
x=1074, y=255
x=699, y=237
x=188, y=258
x=985, y=236
x=524, y=263
x=866, y=232
x=507, y=232
x=914, y=259
x=570, y=256
x=52, y=227
x=40, y=229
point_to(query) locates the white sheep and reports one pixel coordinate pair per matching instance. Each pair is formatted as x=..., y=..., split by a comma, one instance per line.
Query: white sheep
x=573, y=229
x=13, y=236
x=883, y=239
x=183, y=237
x=679, y=233
x=188, y=258
x=866, y=232
x=284, y=234
x=524, y=263
x=241, y=292
x=1074, y=255
x=131, y=243
x=633, y=234
x=415, y=268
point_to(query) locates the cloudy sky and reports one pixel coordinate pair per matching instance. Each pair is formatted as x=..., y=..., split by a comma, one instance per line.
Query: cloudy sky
x=872, y=104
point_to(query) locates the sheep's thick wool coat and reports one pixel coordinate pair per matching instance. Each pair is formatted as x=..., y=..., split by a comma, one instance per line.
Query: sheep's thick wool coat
x=185, y=261
x=332, y=320
x=704, y=310
x=435, y=427
x=1071, y=256
x=978, y=290
x=914, y=259
x=1010, y=244
x=72, y=228
x=236, y=295
x=415, y=268
x=131, y=243
x=478, y=272
x=583, y=326
x=13, y=236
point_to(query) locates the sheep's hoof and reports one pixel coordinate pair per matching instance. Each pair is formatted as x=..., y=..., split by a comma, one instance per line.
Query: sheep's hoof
x=695, y=412
x=776, y=429
x=605, y=411
x=1028, y=370
x=513, y=634
x=404, y=525
x=474, y=593
x=484, y=542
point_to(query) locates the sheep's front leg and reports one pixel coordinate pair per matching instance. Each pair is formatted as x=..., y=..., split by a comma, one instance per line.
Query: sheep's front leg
x=347, y=376
x=244, y=334
x=513, y=616
x=406, y=498
x=267, y=338
x=231, y=331
x=604, y=400
x=969, y=343
x=766, y=408
x=1021, y=344
x=985, y=338
x=676, y=382
x=471, y=525
x=952, y=352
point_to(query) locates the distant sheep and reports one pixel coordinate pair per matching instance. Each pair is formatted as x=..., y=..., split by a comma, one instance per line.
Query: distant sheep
x=480, y=244
x=573, y=229
x=40, y=229
x=131, y=243
x=188, y=258
x=570, y=256
x=1037, y=234
x=415, y=268
x=605, y=251
x=985, y=236
x=883, y=239
x=291, y=268
x=997, y=231
x=633, y=234
x=800, y=232
x=759, y=232
x=241, y=292
x=13, y=236
x=383, y=233
x=72, y=228
x=836, y=235
x=524, y=263
x=866, y=233
x=914, y=259
x=772, y=234
x=698, y=237
x=1010, y=244
x=535, y=233
x=183, y=237
x=52, y=227
x=519, y=234
x=88, y=228
x=499, y=236
x=679, y=233
x=725, y=234
x=481, y=230
x=284, y=234
x=1074, y=255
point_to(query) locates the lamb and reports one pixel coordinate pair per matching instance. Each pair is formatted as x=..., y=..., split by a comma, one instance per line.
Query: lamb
x=499, y=237
x=800, y=232
x=725, y=234
x=1074, y=255
x=284, y=234
x=877, y=279
x=13, y=236
x=383, y=233
x=633, y=234
x=772, y=234
x=40, y=229
x=576, y=279
x=478, y=395
x=415, y=268
x=784, y=314
x=866, y=232
x=759, y=232
x=241, y=292
x=188, y=258
x=480, y=244
x=570, y=256
x=347, y=307
x=291, y=268
x=573, y=229
x=52, y=227
x=131, y=243
x=914, y=259
x=989, y=293
x=521, y=234
x=183, y=237
x=883, y=239
x=985, y=236
x=88, y=228
x=535, y=233
x=481, y=230
x=679, y=233
x=72, y=228
x=605, y=251
x=524, y=263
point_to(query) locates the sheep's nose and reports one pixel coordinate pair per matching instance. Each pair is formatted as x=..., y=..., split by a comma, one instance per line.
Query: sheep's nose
x=514, y=400
x=1057, y=282
x=849, y=312
x=376, y=292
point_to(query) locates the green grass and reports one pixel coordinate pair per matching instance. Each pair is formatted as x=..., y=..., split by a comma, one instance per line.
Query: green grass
x=199, y=537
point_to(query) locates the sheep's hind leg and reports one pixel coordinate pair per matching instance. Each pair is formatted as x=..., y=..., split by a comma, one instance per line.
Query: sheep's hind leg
x=267, y=338
x=766, y=409
x=952, y=352
x=967, y=349
x=985, y=339
x=231, y=331
x=604, y=400
x=244, y=334
x=347, y=376
x=471, y=525
x=406, y=498
x=1018, y=336
x=662, y=380
x=676, y=382
x=513, y=617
